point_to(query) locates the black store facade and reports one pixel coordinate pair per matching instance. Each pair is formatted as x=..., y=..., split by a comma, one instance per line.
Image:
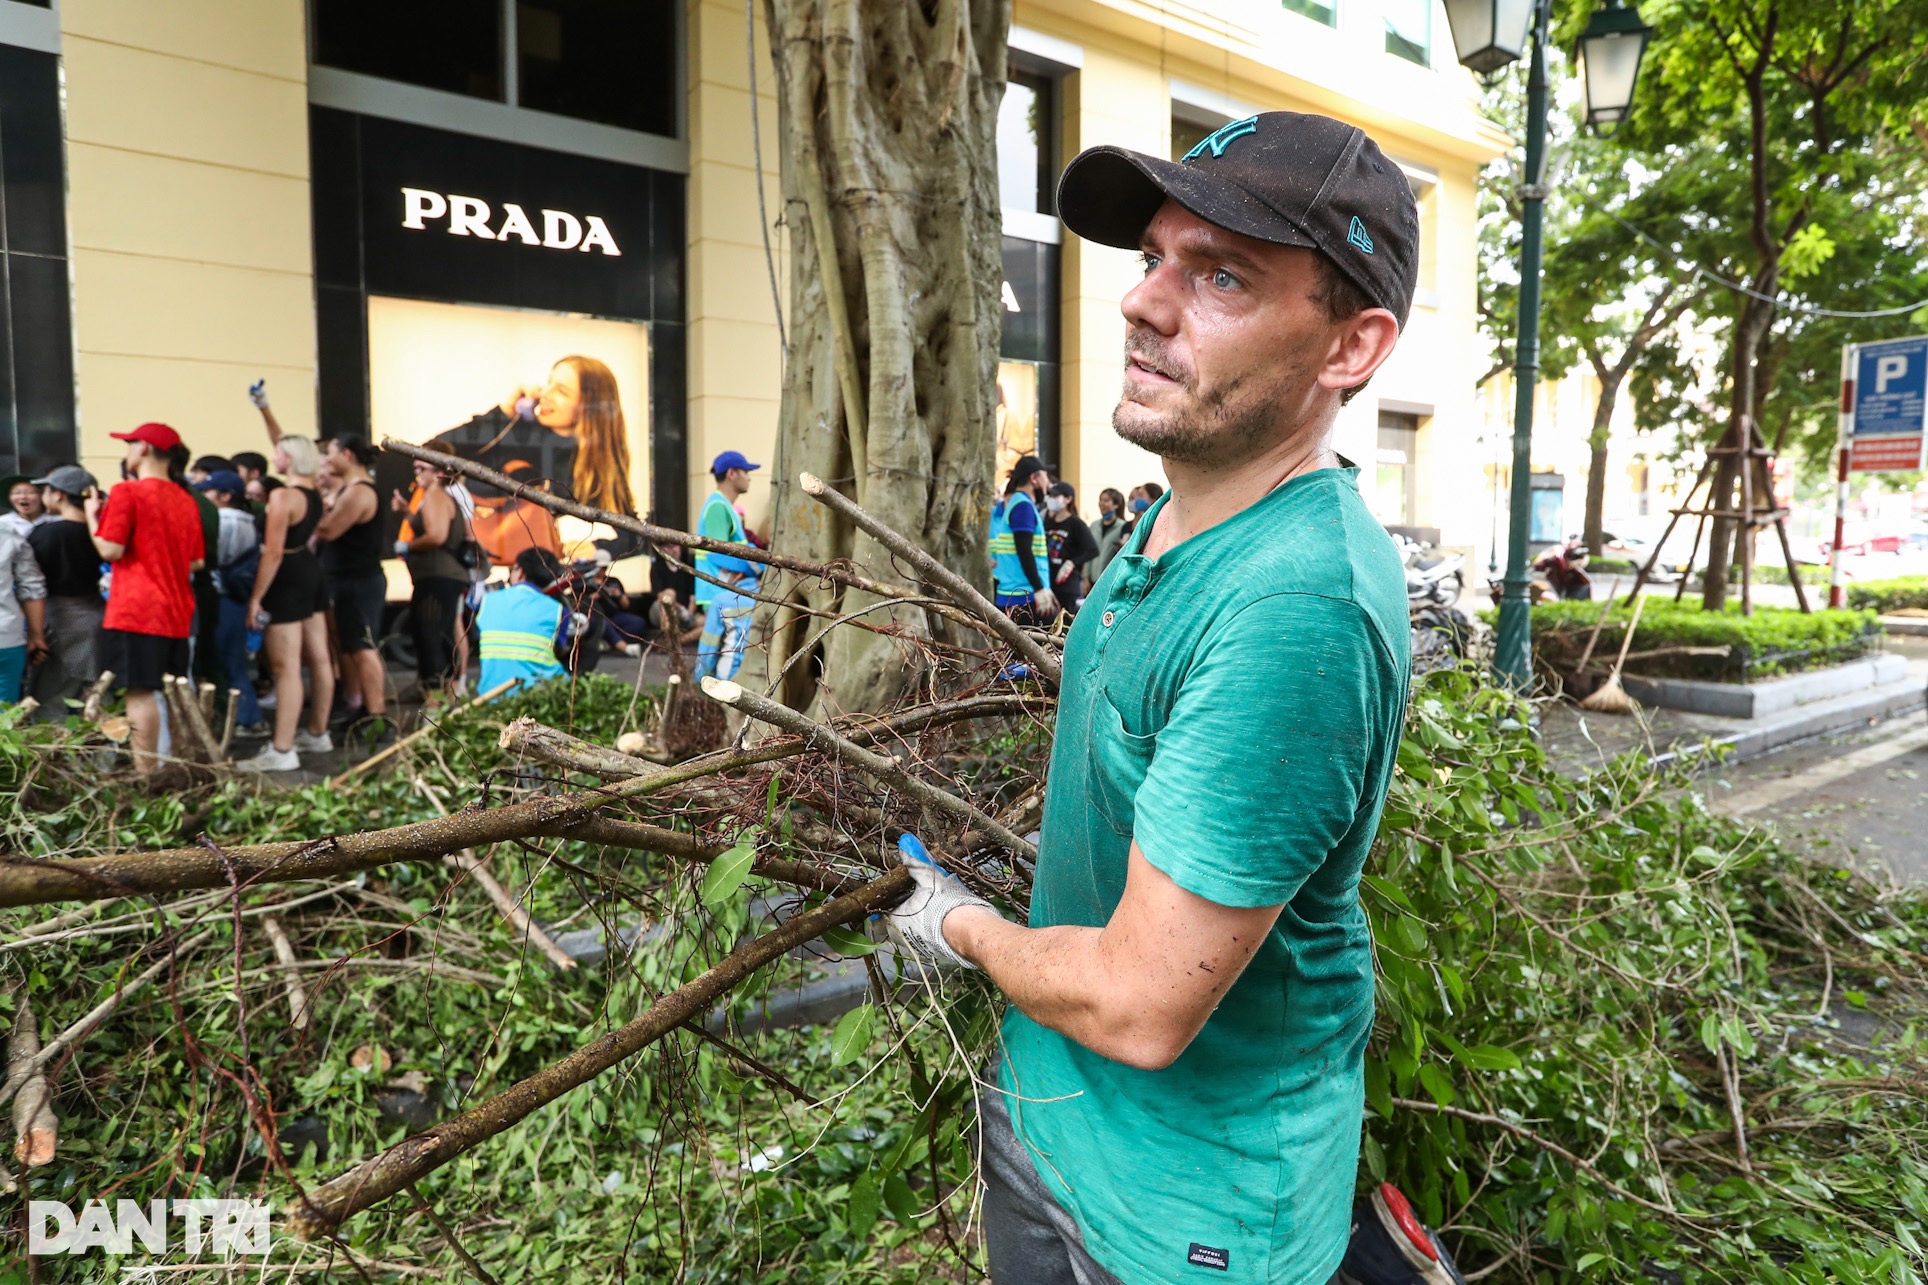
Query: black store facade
x=452, y=269
x=36, y=333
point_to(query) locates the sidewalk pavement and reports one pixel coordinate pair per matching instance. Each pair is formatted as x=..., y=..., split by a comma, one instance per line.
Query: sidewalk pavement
x=1581, y=741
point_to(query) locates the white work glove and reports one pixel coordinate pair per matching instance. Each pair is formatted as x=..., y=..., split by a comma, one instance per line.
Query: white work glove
x=258, y=394
x=918, y=920
x=1046, y=603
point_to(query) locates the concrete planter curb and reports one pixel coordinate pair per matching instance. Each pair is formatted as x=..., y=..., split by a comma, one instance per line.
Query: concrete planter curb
x=1758, y=700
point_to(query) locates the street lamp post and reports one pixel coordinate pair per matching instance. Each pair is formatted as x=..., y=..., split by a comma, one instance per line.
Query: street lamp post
x=1489, y=34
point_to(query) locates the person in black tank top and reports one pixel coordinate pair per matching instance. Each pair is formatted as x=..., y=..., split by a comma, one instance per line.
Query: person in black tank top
x=352, y=549
x=286, y=592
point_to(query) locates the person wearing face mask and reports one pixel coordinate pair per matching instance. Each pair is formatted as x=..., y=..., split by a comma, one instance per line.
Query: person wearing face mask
x=1109, y=533
x=1020, y=570
x=1142, y=498
x=1069, y=545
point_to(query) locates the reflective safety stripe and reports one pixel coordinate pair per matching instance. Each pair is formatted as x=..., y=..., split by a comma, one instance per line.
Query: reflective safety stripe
x=503, y=644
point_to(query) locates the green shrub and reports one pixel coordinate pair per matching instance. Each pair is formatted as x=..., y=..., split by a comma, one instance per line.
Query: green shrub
x=1774, y=640
x=1890, y=595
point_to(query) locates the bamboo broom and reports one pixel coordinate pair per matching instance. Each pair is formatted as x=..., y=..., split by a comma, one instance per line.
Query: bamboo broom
x=1612, y=698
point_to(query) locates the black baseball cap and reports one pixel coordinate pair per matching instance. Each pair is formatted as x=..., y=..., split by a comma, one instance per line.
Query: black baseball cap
x=1027, y=465
x=1284, y=177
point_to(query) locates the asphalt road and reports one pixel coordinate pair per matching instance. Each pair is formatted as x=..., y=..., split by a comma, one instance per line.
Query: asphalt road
x=1861, y=799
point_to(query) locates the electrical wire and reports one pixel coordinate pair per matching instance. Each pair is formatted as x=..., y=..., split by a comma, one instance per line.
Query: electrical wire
x=756, y=153
x=1779, y=301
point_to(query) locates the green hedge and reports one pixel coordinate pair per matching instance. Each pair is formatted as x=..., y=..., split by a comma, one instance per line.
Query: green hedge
x=1890, y=595
x=1774, y=640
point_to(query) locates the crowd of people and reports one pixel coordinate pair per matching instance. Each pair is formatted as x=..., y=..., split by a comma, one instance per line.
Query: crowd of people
x=1044, y=556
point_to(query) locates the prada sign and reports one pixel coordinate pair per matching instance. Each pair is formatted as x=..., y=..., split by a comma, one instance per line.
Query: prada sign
x=418, y=213
x=471, y=216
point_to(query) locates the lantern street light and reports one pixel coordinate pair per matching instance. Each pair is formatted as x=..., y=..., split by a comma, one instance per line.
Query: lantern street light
x=1610, y=49
x=1489, y=34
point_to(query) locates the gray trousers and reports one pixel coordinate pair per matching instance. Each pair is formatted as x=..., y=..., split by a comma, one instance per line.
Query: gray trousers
x=73, y=660
x=1028, y=1236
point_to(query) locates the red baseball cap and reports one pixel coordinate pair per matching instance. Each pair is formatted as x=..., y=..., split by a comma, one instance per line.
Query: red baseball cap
x=158, y=436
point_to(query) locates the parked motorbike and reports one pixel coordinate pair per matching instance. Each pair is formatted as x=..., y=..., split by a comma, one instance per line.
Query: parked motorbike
x=1437, y=579
x=1563, y=567
x=1441, y=637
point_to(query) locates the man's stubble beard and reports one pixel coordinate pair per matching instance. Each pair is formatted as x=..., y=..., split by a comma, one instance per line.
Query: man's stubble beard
x=1230, y=423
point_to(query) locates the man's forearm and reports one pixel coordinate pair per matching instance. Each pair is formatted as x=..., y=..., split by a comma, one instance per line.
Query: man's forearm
x=1064, y=978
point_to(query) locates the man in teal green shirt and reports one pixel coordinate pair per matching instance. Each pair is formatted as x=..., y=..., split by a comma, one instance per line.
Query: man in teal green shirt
x=1182, y=1072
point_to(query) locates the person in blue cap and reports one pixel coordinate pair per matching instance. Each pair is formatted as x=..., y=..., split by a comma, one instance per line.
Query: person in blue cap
x=726, y=611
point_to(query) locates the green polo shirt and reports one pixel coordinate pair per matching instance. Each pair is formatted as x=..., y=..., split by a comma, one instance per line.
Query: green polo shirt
x=1235, y=706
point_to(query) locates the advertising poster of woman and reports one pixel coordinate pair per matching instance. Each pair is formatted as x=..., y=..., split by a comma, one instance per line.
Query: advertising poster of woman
x=566, y=430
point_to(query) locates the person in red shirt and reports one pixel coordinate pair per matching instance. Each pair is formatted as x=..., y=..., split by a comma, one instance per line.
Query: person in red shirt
x=150, y=530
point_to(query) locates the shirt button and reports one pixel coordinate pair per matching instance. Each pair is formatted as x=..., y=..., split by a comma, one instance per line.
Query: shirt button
x=1109, y=617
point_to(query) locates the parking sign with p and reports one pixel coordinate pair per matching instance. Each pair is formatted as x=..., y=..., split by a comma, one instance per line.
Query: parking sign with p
x=1885, y=404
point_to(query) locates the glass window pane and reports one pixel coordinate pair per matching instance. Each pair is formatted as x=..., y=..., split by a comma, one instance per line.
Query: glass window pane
x=452, y=45
x=612, y=61
x=1017, y=148
x=1027, y=171
x=1409, y=30
x=1326, y=11
x=1187, y=134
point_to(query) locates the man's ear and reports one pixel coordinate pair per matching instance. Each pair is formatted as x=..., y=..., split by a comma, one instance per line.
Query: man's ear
x=1359, y=348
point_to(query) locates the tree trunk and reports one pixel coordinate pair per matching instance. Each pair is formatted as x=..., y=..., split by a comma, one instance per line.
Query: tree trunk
x=1596, y=521
x=888, y=116
x=1749, y=332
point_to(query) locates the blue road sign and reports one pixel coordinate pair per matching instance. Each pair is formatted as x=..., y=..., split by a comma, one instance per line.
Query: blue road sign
x=1891, y=387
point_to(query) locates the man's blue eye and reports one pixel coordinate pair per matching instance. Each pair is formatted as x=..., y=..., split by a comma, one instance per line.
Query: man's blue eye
x=1223, y=279
x=1150, y=261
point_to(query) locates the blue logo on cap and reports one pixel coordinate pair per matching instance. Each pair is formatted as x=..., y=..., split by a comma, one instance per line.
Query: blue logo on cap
x=1219, y=139
x=1357, y=235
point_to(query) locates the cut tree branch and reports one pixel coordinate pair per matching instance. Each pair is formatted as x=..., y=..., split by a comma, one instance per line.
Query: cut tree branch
x=320, y=1211
x=937, y=574
x=665, y=535
x=884, y=769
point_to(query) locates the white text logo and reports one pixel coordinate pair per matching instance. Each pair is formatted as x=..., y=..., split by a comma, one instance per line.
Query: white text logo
x=214, y=1226
x=468, y=216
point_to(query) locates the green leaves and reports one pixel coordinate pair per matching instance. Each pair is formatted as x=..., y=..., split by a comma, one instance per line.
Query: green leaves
x=848, y=942
x=852, y=1034
x=729, y=871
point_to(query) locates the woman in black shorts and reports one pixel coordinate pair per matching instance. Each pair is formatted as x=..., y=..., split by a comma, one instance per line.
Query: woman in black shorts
x=287, y=600
x=351, y=553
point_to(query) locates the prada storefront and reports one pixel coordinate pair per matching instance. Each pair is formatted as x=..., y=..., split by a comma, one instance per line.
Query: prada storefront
x=509, y=304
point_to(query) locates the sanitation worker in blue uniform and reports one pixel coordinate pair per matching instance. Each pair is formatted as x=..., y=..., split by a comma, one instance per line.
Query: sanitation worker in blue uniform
x=519, y=624
x=1181, y=1087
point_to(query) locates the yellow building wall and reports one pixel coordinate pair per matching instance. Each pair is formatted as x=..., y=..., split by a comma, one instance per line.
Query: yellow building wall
x=187, y=154
x=735, y=357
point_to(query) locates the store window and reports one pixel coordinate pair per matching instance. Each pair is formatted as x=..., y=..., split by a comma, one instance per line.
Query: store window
x=1395, y=473
x=1326, y=11
x=1409, y=30
x=1027, y=167
x=613, y=62
x=36, y=332
x=451, y=45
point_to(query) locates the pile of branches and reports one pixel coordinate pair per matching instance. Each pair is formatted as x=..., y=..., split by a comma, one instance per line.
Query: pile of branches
x=1617, y=1034
x=854, y=783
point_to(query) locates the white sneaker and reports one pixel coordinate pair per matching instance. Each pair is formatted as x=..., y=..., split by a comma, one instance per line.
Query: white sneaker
x=269, y=759
x=312, y=743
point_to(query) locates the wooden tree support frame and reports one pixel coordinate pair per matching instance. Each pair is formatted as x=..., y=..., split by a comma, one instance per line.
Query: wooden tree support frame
x=1757, y=510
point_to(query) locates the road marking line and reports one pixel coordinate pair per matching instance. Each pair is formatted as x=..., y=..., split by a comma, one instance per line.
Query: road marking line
x=1768, y=793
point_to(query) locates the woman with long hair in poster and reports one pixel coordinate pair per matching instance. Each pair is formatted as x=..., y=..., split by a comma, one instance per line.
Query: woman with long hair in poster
x=569, y=433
